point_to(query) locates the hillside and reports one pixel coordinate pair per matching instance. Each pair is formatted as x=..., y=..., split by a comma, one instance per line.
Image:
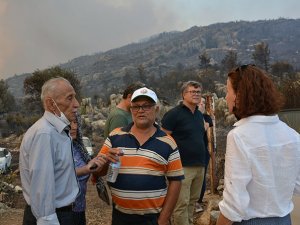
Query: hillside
x=102, y=72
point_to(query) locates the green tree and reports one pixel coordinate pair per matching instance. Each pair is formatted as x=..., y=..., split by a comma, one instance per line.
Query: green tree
x=281, y=68
x=127, y=78
x=229, y=61
x=290, y=88
x=33, y=86
x=204, y=60
x=261, y=55
x=7, y=101
x=18, y=123
x=142, y=73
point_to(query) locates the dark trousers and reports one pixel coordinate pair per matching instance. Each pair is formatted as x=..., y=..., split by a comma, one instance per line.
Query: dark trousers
x=119, y=218
x=79, y=218
x=64, y=217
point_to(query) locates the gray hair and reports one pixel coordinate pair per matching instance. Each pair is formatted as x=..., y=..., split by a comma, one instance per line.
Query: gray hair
x=49, y=87
x=187, y=84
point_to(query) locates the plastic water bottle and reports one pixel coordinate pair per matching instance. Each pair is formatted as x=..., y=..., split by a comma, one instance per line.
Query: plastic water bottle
x=113, y=169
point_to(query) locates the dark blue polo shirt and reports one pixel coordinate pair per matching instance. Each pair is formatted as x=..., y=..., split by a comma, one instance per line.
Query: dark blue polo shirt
x=188, y=131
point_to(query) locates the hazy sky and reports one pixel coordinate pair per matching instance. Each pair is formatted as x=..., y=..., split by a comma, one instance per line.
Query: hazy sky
x=37, y=34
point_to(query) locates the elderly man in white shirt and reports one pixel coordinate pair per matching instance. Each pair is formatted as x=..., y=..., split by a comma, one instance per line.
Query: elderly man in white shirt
x=46, y=161
x=262, y=169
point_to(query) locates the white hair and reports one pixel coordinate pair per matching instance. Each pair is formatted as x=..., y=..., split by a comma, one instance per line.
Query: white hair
x=49, y=87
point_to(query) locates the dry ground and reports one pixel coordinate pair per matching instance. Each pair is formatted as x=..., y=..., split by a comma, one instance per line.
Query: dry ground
x=98, y=213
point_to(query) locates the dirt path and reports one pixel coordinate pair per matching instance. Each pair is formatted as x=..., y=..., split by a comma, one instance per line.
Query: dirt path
x=295, y=213
x=11, y=217
x=98, y=213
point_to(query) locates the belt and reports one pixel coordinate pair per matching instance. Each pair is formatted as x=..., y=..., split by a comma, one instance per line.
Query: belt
x=67, y=208
x=134, y=218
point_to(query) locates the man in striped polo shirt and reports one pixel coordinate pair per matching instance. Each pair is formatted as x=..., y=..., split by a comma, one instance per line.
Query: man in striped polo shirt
x=141, y=194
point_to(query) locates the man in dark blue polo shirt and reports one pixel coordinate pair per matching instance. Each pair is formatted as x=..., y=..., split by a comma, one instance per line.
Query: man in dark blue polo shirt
x=186, y=125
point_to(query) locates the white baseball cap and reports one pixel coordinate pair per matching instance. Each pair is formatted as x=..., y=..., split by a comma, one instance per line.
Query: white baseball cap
x=144, y=92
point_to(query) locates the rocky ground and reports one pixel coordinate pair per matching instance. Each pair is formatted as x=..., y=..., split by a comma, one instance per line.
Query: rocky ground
x=98, y=213
x=12, y=203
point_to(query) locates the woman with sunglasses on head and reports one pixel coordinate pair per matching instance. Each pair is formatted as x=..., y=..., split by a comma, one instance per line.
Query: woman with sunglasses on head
x=262, y=169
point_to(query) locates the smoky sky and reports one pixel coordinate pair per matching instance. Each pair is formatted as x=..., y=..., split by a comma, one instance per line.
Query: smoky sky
x=37, y=34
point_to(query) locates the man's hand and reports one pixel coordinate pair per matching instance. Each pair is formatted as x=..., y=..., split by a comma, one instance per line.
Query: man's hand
x=113, y=154
x=170, y=202
x=97, y=163
x=161, y=221
x=222, y=220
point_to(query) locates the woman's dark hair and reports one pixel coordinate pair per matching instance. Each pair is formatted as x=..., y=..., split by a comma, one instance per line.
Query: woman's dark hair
x=78, y=142
x=256, y=93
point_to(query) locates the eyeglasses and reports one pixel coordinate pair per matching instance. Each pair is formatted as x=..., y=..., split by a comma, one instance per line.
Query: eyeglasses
x=195, y=92
x=136, y=108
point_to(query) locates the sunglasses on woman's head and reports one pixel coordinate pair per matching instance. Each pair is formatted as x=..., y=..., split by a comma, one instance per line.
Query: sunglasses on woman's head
x=241, y=68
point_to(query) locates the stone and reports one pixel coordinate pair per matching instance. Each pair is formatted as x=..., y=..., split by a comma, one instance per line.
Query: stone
x=18, y=189
x=220, y=187
x=214, y=215
x=207, y=218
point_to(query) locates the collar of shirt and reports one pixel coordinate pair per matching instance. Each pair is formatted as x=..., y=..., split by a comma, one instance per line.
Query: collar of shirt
x=57, y=123
x=158, y=132
x=257, y=119
x=197, y=111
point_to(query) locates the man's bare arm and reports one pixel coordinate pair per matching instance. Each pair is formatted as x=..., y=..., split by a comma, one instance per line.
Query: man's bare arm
x=170, y=202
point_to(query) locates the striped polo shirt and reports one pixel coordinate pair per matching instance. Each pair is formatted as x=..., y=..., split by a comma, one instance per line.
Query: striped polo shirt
x=141, y=185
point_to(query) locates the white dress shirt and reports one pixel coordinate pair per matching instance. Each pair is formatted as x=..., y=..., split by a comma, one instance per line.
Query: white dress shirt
x=47, y=169
x=262, y=169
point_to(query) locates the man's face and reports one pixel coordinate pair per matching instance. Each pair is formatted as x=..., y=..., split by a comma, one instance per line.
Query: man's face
x=66, y=101
x=192, y=95
x=143, y=112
